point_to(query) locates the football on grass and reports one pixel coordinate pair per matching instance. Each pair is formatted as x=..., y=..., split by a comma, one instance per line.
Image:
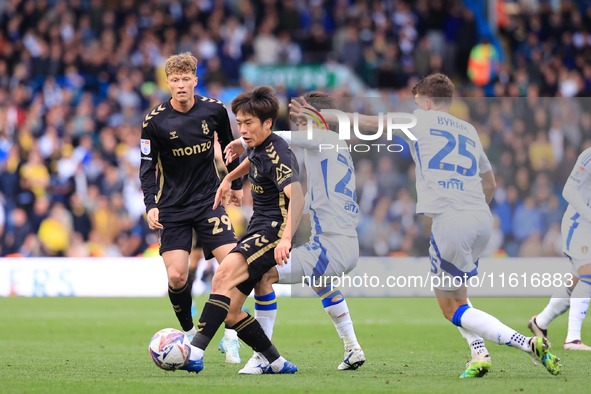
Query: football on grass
x=169, y=349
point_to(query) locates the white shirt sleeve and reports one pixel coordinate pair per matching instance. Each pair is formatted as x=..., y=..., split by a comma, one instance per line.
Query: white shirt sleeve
x=300, y=138
x=572, y=189
x=483, y=162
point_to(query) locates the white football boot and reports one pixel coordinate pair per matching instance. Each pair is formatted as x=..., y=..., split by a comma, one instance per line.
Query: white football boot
x=255, y=366
x=352, y=360
x=576, y=345
x=231, y=348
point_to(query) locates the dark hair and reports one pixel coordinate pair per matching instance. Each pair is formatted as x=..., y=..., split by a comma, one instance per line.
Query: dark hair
x=260, y=102
x=437, y=87
x=321, y=100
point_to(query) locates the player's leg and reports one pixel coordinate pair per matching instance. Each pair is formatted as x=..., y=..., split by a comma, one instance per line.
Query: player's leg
x=235, y=270
x=251, y=332
x=455, y=308
x=229, y=345
x=336, y=256
x=336, y=307
x=462, y=247
x=176, y=263
x=328, y=256
x=231, y=272
x=265, y=301
x=559, y=303
x=195, y=257
x=265, y=312
x=456, y=243
x=215, y=233
x=257, y=247
x=175, y=244
x=478, y=351
x=579, y=304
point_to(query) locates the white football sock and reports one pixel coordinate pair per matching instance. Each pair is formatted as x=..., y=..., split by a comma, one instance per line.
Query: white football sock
x=559, y=303
x=267, y=320
x=192, y=331
x=579, y=304
x=490, y=328
x=265, y=311
x=196, y=353
x=475, y=342
x=230, y=334
x=343, y=324
x=277, y=365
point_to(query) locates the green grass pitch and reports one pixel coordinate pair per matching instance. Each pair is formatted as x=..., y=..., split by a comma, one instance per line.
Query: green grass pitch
x=100, y=345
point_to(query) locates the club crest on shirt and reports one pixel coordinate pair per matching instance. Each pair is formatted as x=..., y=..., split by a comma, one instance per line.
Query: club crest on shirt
x=584, y=249
x=145, y=146
x=256, y=173
x=204, y=127
x=283, y=172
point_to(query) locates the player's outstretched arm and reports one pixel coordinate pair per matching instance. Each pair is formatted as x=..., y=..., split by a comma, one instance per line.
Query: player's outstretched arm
x=365, y=122
x=298, y=138
x=572, y=193
x=226, y=184
x=489, y=185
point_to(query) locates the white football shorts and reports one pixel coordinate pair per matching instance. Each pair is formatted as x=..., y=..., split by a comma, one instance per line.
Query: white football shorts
x=576, y=241
x=458, y=238
x=325, y=255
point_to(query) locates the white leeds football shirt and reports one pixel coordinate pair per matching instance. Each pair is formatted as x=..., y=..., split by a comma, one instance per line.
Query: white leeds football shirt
x=331, y=196
x=577, y=190
x=449, y=159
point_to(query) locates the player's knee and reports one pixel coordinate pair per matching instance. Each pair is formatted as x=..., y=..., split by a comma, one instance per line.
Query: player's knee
x=266, y=278
x=176, y=280
x=265, y=285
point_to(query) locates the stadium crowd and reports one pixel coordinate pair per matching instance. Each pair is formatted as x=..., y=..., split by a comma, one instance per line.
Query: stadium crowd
x=77, y=76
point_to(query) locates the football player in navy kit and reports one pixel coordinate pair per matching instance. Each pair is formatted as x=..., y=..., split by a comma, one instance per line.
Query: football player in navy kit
x=179, y=179
x=278, y=202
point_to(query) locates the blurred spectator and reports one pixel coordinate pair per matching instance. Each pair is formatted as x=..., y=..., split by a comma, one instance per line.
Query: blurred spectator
x=80, y=220
x=374, y=230
x=540, y=153
x=34, y=174
x=17, y=231
x=40, y=212
x=531, y=246
x=54, y=231
x=266, y=45
x=528, y=219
